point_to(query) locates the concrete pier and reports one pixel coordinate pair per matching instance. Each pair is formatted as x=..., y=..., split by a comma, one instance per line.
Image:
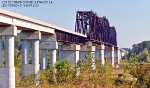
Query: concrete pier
x=53, y=54
x=71, y=53
x=28, y=69
x=112, y=56
x=118, y=56
x=102, y=54
x=49, y=42
x=1, y=51
x=35, y=58
x=93, y=60
x=9, y=51
x=10, y=60
x=25, y=55
x=84, y=53
x=25, y=51
x=7, y=74
x=43, y=59
x=35, y=55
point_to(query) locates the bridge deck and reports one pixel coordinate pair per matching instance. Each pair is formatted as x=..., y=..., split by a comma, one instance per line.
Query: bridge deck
x=11, y=18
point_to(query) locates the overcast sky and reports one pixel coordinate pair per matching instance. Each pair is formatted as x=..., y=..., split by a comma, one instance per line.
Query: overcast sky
x=130, y=17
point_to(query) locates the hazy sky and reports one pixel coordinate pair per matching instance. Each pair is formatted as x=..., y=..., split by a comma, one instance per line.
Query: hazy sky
x=130, y=17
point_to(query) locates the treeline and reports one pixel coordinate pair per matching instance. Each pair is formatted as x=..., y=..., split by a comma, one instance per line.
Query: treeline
x=142, y=50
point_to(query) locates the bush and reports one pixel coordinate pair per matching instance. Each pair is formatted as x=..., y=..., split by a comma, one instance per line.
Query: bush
x=49, y=73
x=139, y=70
x=85, y=64
x=28, y=81
x=18, y=58
x=64, y=71
x=103, y=76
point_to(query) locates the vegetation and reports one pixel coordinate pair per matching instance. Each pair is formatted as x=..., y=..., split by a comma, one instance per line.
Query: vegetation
x=134, y=73
x=138, y=64
x=139, y=70
x=141, y=50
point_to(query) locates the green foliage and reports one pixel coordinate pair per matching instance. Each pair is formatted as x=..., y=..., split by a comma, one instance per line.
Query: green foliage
x=137, y=48
x=106, y=69
x=134, y=59
x=18, y=58
x=125, y=80
x=142, y=50
x=17, y=43
x=49, y=73
x=139, y=70
x=85, y=63
x=64, y=72
x=103, y=75
x=28, y=81
x=148, y=58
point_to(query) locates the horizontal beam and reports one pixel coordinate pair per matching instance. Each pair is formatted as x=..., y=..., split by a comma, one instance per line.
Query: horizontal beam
x=8, y=30
x=69, y=47
x=30, y=35
x=24, y=21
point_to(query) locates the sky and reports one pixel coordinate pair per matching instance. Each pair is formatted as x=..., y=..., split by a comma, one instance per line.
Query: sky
x=131, y=18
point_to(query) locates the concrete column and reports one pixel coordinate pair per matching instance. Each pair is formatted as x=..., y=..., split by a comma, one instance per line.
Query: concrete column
x=118, y=56
x=1, y=48
x=25, y=56
x=102, y=54
x=43, y=59
x=35, y=58
x=25, y=51
x=93, y=60
x=9, y=51
x=10, y=60
x=76, y=61
x=112, y=56
x=35, y=55
x=34, y=38
x=77, y=57
x=49, y=41
x=7, y=74
x=53, y=56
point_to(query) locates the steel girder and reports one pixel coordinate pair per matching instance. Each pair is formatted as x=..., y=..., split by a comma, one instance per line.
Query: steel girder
x=96, y=28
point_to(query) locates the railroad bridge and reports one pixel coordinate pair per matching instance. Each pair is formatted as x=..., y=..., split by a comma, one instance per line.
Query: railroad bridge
x=92, y=33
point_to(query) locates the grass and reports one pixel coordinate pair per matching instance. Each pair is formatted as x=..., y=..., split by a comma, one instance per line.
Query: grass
x=98, y=78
